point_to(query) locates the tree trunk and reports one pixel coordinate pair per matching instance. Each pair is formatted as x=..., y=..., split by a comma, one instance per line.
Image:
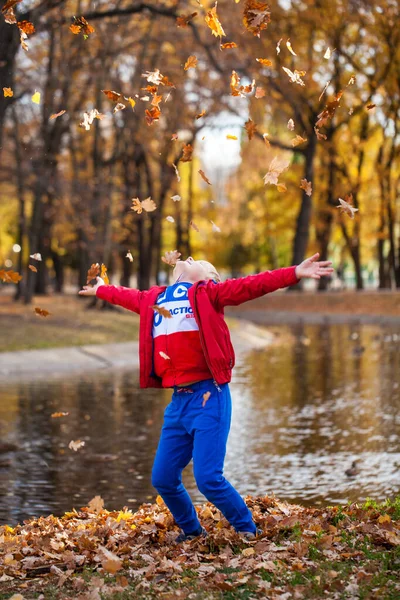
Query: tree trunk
x=9, y=45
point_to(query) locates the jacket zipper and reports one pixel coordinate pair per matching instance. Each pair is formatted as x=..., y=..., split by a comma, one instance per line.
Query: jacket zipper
x=201, y=340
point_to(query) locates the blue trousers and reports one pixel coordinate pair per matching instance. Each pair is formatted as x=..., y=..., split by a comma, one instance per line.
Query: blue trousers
x=198, y=429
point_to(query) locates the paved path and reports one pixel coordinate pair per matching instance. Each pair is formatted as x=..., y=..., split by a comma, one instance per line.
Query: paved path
x=30, y=365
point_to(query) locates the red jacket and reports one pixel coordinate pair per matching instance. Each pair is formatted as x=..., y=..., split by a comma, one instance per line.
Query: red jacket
x=208, y=300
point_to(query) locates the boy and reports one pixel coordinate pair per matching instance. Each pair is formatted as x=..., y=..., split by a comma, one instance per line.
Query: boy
x=191, y=352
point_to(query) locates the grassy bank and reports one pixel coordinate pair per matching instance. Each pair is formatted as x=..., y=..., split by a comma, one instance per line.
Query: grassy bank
x=350, y=551
x=70, y=323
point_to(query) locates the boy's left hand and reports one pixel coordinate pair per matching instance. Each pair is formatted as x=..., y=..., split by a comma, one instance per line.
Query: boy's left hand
x=313, y=268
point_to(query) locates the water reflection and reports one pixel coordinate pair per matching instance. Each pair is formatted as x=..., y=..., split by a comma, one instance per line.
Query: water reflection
x=304, y=409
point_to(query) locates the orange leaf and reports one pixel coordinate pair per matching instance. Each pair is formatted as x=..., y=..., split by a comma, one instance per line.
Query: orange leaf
x=41, y=312
x=264, y=61
x=203, y=112
x=26, y=26
x=213, y=22
x=228, y=45
x=8, y=93
x=296, y=141
x=82, y=25
x=256, y=16
x=57, y=415
x=10, y=276
x=32, y=268
x=184, y=20
x=250, y=128
x=260, y=92
x=171, y=257
x=306, y=186
x=103, y=274
x=191, y=62
x=93, y=272
x=59, y=114
x=187, y=153
x=152, y=115
x=204, y=176
x=206, y=396
x=111, y=95
x=162, y=311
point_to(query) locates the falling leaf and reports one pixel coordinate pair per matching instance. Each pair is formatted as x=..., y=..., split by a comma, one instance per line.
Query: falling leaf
x=290, y=124
x=176, y=198
x=75, y=445
x=174, y=137
x=206, y=396
x=296, y=141
x=256, y=16
x=10, y=276
x=281, y=187
x=329, y=110
x=324, y=90
x=266, y=140
x=231, y=137
x=26, y=26
x=118, y=107
x=103, y=274
x=58, y=415
x=129, y=255
x=289, y=47
x=148, y=205
x=213, y=22
x=191, y=62
x=170, y=219
x=162, y=311
x=41, y=312
x=346, y=206
x=59, y=114
x=275, y=169
x=7, y=92
x=251, y=128
x=228, y=45
x=153, y=76
x=176, y=172
x=260, y=92
x=264, y=61
x=370, y=106
x=204, y=176
x=32, y=268
x=80, y=25
x=88, y=118
x=193, y=224
x=184, y=20
x=152, y=115
x=110, y=562
x=163, y=355
x=237, y=89
x=306, y=186
x=278, y=46
x=187, y=151
x=327, y=54
x=203, y=112
x=36, y=98
x=215, y=227
x=114, y=96
x=96, y=504
x=171, y=257
x=93, y=272
x=295, y=77
x=36, y=256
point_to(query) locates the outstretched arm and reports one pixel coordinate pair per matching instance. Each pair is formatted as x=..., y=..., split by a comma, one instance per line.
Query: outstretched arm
x=115, y=294
x=236, y=291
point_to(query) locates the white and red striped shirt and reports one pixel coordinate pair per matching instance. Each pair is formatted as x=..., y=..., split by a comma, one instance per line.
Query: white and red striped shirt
x=178, y=338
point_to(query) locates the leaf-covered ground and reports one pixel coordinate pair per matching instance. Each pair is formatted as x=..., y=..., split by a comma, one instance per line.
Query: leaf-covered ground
x=350, y=551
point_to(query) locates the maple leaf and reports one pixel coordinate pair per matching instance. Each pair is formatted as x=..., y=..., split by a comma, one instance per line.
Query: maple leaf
x=251, y=128
x=206, y=396
x=204, y=176
x=103, y=274
x=275, y=169
x=93, y=272
x=41, y=312
x=58, y=415
x=191, y=62
x=10, y=276
x=296, y=141
x=171, y=257
x=187, y=153
x=346, y=207
x=163, y=355
x=228, y=45
x=295, y=76
x=184, y=20
x=75, y=445
x=80, y=25
x=161, y=311
x=156, y=100
x=290, y=124
x=306, y=186
x=264, y=61
x=256, y=16
x=26, y=26
x=59, y=114
x=32, y=268
x=260, y=92
x=213, y=22
x=7, y=92
x=152, y=115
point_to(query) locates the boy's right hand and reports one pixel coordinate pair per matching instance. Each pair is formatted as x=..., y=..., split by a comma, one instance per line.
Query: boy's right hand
x=90, y=290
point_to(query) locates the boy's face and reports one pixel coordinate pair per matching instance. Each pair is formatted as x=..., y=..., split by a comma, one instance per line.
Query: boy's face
x=189, y=270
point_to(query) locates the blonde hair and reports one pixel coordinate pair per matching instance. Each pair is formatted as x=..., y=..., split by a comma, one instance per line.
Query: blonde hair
x=212, y=272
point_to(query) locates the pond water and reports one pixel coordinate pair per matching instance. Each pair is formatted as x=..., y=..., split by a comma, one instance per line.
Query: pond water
x=303, y=409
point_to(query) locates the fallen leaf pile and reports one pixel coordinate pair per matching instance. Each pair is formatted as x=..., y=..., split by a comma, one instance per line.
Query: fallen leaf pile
x=138, y=547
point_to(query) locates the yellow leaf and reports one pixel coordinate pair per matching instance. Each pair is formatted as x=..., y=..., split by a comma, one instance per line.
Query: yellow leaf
x=191, y=62
x=213, y=23
x=231, y=137
x=36, y=98
x=160, y=501
x=103, y=274
x=264, y=61
x=281, y=187
x=384, y=519
x=124, y=515
x=248, y=552
x=8, y=93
